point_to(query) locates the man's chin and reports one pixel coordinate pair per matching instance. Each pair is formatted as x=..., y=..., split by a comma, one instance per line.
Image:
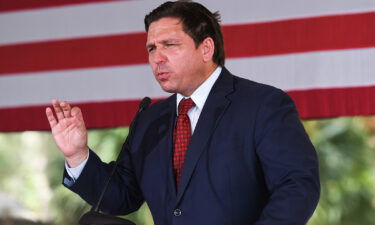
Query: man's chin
x=169, y=90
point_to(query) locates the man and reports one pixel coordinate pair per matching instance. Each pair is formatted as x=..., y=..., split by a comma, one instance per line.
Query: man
x=248, y=161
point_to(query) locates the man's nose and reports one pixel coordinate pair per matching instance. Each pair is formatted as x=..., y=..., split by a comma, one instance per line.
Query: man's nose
x=158, y=56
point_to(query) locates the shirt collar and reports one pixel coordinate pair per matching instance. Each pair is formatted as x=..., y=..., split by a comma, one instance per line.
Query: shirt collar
x=200, y=95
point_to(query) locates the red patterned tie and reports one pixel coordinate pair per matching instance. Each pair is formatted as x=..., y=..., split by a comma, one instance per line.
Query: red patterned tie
x=181, y=137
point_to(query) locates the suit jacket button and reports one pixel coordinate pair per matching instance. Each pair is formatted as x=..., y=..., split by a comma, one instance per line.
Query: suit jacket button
x=177, y=212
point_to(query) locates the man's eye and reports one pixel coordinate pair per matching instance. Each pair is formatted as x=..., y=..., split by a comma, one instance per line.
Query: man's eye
x=150, y=49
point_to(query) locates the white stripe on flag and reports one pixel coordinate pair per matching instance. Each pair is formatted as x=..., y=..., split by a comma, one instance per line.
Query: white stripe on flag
x=87, y=85
x=327, y=69
x=126, y=17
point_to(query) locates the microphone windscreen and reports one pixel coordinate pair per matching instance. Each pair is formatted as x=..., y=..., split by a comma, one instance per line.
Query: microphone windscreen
x=144, y=104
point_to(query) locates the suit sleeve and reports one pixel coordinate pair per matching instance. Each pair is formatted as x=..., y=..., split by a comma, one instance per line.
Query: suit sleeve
x=123, y=195
x=289, y=163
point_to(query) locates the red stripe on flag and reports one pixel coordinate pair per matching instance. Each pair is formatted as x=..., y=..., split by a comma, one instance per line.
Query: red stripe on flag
x=74, y=54
x=299, y=35
x=12, y=5
x=334, y=102
x=317, y=103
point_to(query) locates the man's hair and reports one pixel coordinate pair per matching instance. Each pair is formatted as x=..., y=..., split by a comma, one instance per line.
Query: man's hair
x=197, y=21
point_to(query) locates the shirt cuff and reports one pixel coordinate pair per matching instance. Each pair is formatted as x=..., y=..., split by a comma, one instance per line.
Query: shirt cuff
x=76, y=171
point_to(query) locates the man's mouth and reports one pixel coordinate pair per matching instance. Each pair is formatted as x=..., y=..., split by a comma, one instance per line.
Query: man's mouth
x=162, y=76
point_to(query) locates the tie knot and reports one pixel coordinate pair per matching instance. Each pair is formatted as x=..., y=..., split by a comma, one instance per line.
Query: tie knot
x=185, y=105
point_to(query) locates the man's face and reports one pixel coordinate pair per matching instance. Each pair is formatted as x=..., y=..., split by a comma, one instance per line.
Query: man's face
x=177, y=64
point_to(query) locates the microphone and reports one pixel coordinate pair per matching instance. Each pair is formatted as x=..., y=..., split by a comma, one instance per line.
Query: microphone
x=94, y=217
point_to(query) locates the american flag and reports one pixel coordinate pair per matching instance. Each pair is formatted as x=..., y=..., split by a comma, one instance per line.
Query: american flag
x=92, y=54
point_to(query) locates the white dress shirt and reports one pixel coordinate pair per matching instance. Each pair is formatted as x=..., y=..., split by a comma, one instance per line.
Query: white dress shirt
x=199, y=97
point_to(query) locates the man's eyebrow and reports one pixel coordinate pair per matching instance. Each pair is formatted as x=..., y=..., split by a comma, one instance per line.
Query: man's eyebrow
x=170, y=40
x=166, y=41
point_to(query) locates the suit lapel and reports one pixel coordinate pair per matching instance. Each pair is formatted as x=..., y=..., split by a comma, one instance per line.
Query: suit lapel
x=168, y=114
x=213, y=109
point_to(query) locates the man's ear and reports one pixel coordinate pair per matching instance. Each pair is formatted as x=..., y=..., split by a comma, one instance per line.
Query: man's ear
x=208, y=49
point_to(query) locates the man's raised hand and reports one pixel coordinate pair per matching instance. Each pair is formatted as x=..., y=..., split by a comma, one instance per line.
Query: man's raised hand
x=69, y=131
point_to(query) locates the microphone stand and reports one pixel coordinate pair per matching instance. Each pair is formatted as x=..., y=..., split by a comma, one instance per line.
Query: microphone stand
x=94, y=217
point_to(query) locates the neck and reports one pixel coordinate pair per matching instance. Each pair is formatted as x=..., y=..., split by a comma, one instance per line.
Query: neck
x=207, y=71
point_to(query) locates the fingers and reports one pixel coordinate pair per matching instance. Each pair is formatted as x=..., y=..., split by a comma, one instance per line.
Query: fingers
x=76, y=112
x=62, y=109
x=51, y=118
x=58, y=110
x=66, y=109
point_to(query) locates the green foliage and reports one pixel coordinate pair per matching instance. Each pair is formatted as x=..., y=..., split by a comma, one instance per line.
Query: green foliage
x=346, y=172
x=31, y=171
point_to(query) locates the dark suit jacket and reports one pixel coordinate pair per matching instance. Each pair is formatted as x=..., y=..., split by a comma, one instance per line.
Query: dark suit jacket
x=249, y=162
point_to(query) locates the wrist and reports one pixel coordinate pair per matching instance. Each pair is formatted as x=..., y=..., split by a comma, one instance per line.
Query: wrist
x=76, y=159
